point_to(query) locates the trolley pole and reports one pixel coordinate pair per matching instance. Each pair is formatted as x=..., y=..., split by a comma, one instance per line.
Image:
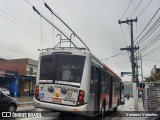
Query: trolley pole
x=132, y=50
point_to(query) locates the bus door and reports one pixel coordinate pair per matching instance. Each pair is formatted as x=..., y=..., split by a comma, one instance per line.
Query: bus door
x=97, y=84
x=110, y=92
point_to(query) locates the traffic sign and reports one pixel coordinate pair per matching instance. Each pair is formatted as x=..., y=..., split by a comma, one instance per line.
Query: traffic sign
x=125, y=73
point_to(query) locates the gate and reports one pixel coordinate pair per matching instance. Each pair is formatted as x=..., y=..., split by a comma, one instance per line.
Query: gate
x=151, y=98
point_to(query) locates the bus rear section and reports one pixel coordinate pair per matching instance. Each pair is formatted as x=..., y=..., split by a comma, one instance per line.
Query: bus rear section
x=58, y=85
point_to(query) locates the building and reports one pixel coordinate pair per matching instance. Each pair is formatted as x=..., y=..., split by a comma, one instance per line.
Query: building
x=155, y=71
x=22, y=82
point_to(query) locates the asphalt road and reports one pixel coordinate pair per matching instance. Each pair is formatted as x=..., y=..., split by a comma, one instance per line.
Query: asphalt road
x=32, y=113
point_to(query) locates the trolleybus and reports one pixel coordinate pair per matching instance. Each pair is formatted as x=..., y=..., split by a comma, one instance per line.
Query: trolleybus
x=75, y=80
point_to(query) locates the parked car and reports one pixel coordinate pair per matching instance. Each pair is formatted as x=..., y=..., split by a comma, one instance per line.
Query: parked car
x=122, y=99
x=7, y=103
x=5, y=91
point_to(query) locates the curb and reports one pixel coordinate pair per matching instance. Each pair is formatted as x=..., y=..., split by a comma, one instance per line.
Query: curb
x=22, y=103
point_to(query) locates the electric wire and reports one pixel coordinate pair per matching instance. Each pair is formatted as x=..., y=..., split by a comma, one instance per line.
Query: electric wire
x=20, y=22
x=149, y=32
x=27, y=32
x=151, y=51
x=124, y=39
x=66, y=26
x=114, y=55
x=151, y=43
x=126, y=9
x=147, y=24
x=10, y=50
x=28, y=2
x=144, y=9
x=10, y=47
x=17, y=28
x=41, y=32
x=45, y=18
x=148, y=35
x=135, y=9
x=20, y=26
x=123, y=35
x=53, y=32
x=152, y=60
x=152, y=37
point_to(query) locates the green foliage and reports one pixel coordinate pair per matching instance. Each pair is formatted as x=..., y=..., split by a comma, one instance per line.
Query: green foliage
x=150, y=79
x=154, y=78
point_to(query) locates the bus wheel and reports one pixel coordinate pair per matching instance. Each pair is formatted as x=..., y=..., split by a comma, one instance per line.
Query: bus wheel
x=115, y=109
x=103, y=109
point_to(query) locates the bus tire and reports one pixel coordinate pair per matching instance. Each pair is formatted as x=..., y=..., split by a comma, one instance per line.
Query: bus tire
x=115, y=109
x=103, y=109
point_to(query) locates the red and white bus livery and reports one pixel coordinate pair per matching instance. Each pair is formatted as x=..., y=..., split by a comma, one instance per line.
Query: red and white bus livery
x=74, y=80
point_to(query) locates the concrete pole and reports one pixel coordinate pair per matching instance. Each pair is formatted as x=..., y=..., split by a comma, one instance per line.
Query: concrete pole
x=135, y=95
x=132, y=49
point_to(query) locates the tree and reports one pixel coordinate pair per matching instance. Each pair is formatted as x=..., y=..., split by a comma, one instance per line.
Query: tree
x=154, y=78
x=150, y=79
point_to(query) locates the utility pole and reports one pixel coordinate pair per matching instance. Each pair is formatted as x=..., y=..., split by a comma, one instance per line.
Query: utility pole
x=142, y=80
x=132, y=49
x=137, y=73
x=137, y=80
x=141, y=68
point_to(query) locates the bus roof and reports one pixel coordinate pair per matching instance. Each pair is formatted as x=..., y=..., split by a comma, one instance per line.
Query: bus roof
x=106, y=68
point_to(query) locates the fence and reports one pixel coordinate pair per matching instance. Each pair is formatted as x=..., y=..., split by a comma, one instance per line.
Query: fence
x=151, y=98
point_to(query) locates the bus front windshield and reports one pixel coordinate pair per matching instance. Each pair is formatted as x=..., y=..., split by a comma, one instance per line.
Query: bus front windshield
x=62, y=68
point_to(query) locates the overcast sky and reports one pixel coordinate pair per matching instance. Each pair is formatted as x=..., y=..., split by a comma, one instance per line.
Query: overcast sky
x=94, y=21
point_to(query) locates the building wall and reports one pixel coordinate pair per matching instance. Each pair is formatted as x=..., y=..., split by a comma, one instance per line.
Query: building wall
x=153, y=70
x=24, y=67
x=31, y=67
x=18, y=65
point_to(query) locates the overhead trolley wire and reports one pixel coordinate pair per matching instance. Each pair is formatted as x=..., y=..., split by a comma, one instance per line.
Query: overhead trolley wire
x=40, y=14
x=52, y=25
x=64, y=24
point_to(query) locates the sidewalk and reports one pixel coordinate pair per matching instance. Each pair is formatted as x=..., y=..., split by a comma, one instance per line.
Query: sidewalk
x=136, y=114
x=129, y=106
x=24, y=102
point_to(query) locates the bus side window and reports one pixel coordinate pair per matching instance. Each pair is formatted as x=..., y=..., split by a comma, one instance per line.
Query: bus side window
x=107, y=81
x=103, y=86
x=92, y=80
x=114, y=87
x=118, y=87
